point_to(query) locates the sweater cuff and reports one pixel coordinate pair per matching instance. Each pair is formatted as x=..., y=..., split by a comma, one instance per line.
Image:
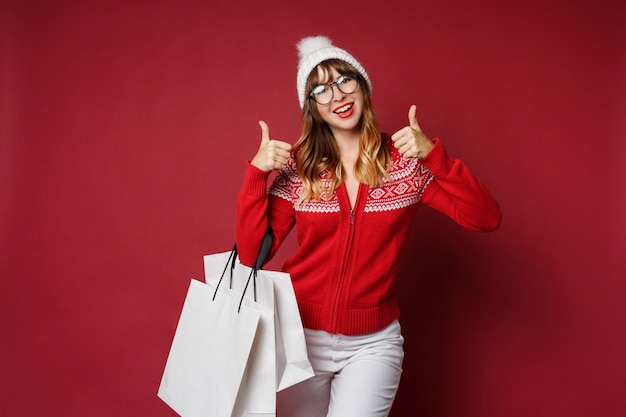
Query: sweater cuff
x=254, y=181
x=437, y=161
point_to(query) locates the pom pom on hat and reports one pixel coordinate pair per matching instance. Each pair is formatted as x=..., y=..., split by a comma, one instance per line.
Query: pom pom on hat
x=315, y=49
x=311, y=44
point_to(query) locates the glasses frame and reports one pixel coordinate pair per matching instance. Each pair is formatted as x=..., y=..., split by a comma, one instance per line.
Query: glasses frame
x=332, y=90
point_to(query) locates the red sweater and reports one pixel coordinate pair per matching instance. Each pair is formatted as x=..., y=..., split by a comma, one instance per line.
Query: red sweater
x=344, y=270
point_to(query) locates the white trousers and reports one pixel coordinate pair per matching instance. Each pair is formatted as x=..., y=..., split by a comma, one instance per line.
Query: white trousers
x=355, y=376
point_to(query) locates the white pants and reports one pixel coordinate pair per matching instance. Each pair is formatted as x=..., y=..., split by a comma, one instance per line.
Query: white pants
x=355, y=376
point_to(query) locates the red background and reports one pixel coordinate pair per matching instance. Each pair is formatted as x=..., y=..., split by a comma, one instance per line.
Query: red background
x=124, y=129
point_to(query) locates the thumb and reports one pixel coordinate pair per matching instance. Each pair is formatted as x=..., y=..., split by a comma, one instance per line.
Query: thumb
x=265, y=132
x=413, y=118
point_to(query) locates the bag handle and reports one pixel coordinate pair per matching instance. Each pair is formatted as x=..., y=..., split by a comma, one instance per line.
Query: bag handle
x=231, y=260
x=264, y=250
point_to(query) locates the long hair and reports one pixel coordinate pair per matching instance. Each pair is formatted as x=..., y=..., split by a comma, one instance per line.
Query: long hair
x=316, y=152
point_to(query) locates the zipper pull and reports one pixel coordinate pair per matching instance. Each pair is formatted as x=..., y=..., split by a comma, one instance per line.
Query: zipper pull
x=352, y=216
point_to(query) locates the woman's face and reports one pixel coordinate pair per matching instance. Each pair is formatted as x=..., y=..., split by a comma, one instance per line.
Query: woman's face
x=343, y=113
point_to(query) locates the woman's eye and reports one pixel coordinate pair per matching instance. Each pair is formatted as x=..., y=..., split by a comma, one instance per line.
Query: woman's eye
x=344, y=79
x=320, y=89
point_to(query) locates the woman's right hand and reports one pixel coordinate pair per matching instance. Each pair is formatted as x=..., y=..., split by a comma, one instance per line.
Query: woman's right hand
x=272, y=154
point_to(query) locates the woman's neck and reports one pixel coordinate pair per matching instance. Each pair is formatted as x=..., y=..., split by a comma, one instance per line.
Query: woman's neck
x=348, y=144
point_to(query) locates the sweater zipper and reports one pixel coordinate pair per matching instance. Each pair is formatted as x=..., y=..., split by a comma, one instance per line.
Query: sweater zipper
x=344, y=260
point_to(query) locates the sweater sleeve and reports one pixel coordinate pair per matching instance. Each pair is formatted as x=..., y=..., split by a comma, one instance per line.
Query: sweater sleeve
x=455, y=192
x=256, y=212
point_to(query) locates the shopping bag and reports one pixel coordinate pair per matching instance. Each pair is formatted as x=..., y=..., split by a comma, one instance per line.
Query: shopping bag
x=209, y=353
x=292, y=362
x=257, y=396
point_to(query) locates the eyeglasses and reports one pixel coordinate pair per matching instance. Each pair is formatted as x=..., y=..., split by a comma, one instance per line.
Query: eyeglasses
x=324, y=93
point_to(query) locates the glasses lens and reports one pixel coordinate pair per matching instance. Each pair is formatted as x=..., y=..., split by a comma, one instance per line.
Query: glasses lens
x=347, y=84
x=323, y=94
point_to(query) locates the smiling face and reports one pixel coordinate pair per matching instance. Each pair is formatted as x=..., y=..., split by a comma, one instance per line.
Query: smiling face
x=343, y=113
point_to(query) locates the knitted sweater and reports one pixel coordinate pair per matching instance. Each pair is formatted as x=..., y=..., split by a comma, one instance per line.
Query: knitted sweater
x=344, y=270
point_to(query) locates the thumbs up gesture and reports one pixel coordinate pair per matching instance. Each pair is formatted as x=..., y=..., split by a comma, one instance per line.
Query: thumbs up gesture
x=272, y=154
x=410, y=140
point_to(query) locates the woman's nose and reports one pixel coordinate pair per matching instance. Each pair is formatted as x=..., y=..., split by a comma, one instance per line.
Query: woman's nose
x=337, y=93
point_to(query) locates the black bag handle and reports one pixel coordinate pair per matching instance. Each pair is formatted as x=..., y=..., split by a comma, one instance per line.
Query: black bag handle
x=264, y=250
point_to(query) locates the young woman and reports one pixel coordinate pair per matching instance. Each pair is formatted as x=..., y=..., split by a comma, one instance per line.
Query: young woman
x=352, y=193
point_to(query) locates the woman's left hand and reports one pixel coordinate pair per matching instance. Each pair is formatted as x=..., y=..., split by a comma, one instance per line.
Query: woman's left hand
x=410, y=141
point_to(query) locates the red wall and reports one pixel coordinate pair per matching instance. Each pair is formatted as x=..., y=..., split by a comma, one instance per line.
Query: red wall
x=124, y=128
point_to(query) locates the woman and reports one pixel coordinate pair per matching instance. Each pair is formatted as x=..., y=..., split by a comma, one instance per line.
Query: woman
x=352, y=194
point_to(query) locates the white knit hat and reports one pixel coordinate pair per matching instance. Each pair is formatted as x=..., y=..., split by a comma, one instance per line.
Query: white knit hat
x=315, y=49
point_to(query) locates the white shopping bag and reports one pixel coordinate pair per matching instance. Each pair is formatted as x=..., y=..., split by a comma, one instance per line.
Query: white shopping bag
x=292, y=362
x=209, y=353
x=257, y=396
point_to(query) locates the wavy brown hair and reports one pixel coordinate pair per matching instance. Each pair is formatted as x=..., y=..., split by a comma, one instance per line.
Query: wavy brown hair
x=316, y=152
